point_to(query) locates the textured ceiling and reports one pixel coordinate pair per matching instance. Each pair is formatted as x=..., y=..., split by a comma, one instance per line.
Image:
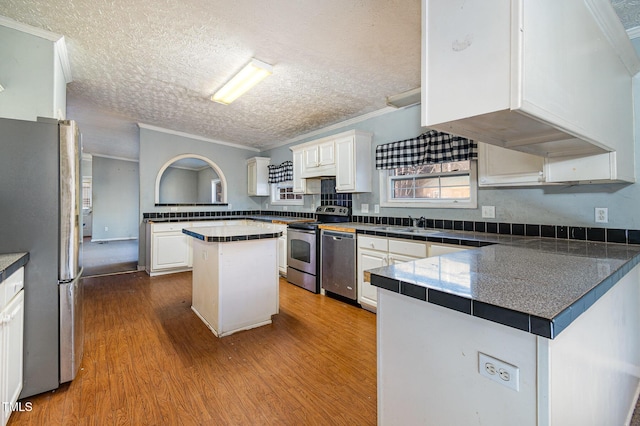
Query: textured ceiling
x=158, y=61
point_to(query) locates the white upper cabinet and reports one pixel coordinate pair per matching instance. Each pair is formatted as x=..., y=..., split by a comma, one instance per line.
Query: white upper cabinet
x=353, y=162
x=505, y=167
x=258, y=176
x=347, y=156
x=545, y=77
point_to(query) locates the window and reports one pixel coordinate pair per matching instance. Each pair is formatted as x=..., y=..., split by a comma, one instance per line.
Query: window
x=282, y=193
x=444, y=185
x=216, y=191
x=86, y=193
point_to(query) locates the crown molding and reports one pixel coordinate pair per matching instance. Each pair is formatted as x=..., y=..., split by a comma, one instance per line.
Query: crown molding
x=349, y=122
x=196, y=137
x=606, y=18
x=38, y=32
x=112, y=157
x=60, y=47
x=634, y=32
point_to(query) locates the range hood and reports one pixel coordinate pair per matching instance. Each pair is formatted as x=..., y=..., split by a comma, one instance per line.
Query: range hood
x=548, y=78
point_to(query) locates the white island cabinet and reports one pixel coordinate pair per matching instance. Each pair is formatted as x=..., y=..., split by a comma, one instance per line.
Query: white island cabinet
x=235, y=276
x=559, y=328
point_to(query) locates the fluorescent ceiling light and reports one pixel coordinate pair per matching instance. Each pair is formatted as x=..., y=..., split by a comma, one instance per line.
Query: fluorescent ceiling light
x=405, y=99
x=249, y=76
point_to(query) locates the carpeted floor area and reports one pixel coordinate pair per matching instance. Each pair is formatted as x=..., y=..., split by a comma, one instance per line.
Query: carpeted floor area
x=109, y=257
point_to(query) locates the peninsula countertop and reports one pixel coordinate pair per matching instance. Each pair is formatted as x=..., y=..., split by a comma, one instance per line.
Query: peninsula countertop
x=220, y=234
x=11, y=262
x=538, y=285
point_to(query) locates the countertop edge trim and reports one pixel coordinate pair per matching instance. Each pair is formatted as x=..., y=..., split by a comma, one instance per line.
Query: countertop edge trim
x=544, y=327
x=13, y=267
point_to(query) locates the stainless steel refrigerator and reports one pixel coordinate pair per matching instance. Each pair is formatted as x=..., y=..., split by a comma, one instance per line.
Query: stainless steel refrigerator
x=40, y=212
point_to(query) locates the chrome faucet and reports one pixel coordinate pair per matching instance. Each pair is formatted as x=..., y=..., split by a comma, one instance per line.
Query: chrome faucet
x=417, y=222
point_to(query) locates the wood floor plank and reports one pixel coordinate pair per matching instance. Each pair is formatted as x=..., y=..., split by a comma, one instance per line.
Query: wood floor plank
x=150, y=360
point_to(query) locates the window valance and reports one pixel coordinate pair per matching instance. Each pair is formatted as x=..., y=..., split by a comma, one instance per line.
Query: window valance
x=429, y=148
x=281, y=173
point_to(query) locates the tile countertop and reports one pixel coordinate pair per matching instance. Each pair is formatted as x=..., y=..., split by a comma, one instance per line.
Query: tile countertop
x=283, y=220
x=222, y=234
x=538, y=285
x=11, y=262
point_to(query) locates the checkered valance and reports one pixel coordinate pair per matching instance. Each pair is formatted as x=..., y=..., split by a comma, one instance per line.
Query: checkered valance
x=428, y=148
x=281, y=173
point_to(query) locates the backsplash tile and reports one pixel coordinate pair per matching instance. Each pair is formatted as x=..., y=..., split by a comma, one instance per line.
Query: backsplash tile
x=621, y=236
x=329, y=196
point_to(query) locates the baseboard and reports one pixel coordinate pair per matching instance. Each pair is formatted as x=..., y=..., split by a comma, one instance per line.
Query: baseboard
x=103, y=240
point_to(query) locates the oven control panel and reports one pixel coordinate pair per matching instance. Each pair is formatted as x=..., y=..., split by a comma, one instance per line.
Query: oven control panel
x=333, y=210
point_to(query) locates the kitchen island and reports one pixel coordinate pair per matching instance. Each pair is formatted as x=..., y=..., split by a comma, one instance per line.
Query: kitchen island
x=558, y=320
x=235, y=276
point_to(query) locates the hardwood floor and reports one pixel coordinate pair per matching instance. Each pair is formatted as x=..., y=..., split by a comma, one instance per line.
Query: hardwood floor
x=149, y=360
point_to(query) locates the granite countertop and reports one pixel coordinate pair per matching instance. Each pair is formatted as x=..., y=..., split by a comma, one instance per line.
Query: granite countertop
x=221, y=234
x=11, y=262
x=538, y=285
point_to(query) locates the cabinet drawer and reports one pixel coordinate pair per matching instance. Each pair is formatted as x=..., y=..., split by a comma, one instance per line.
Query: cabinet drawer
x=373, y=243
x=408, y=248
x=13, y=285
x=168, y=227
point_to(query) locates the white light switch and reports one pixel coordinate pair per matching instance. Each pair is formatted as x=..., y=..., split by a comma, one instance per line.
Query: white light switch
x=489, y=212
x=376, y=208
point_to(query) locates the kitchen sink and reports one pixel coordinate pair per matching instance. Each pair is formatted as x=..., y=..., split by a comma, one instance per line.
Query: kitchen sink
x=403, y=230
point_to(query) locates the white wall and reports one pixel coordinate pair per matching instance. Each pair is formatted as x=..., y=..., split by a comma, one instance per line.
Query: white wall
x=34, y=72
x=115, y=199
x=27, y=75
x=178, y=186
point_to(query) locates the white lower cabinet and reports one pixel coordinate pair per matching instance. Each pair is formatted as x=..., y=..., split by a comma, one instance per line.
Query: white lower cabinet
x=168, y=249
x=11, y=341
x=376, y=252
x=369, y=259
x=282, y=251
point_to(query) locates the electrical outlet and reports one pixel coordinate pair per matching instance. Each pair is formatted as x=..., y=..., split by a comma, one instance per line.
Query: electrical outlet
x=364, y=208
x=602, y=215
x=489, y=212
x=106, y=228
x=499, y=371
x=376, y=208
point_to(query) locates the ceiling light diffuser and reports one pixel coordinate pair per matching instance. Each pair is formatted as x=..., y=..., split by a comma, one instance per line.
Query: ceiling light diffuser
x=253, y=73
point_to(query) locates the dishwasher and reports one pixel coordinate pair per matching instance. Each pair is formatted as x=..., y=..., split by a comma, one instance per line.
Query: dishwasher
x=338, y=263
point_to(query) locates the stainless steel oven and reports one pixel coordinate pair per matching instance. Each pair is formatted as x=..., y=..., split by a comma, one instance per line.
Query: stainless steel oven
x=302, y=250
x=303, y=247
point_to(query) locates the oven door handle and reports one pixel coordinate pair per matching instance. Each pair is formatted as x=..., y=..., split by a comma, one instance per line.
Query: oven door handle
x=302, y=231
